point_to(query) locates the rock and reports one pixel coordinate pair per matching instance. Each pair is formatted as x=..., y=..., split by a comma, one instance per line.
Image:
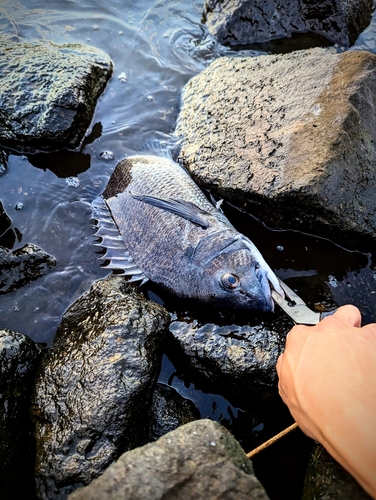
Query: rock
x=240, y=22
x=237, y=362
x=48, y=93
x=294, y=135
x=93, y=391
x=19, y=356
x=22, y=266
x=169, y=411
x=5, y=221
x=326, y=480
x=200, y=460
x=3, y=164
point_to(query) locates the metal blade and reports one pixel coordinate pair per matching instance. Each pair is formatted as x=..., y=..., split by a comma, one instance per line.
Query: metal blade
x=295, y=307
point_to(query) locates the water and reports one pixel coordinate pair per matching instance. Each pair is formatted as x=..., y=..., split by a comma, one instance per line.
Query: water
x=156, y=48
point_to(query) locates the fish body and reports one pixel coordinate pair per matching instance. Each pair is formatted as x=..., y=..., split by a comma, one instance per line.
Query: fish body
x=174, y=236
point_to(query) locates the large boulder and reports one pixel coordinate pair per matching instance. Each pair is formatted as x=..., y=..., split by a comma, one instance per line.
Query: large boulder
x=240, y=22
x=326, y=479
x=294, y=135
x=48, y=92
x=22, y=266
x=94, y=386
x=19, y=357
x=198, y=461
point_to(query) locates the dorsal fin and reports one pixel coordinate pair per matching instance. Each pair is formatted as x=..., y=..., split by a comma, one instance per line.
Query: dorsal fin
x=116, y=252
x=177, y=206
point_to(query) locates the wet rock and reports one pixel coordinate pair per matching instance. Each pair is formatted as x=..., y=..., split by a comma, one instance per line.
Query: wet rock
x=5, y=221
x=19, y=356
x=3, y=163
x=327, y=480
x=237, y=362
x=94, y=388
x=293, y=135
x=22, y=266
x=240, y=22
x=200, y=460
x=169, y=411
x=48, y=93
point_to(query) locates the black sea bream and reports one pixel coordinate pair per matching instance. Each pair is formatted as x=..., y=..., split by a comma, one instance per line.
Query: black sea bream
x=167, y=231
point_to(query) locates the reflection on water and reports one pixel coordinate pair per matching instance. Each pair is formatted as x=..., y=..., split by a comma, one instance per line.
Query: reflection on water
x=156, y=48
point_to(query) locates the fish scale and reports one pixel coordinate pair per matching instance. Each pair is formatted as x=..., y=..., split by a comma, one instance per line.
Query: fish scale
x=177, y=238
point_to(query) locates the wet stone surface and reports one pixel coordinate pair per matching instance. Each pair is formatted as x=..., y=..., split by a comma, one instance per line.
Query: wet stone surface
x=169, y=411
x=94, y=387
x=5, y=221
x=49, y=92
x=198, y=460
x=243, y=22
x=19, y=357
x=292, y=134
x=23, y=265
x=326, y=479
x=237, y=361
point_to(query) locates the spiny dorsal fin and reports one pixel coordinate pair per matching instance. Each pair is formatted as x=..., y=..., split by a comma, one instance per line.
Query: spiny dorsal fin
x=176, y=206
x=116, y=254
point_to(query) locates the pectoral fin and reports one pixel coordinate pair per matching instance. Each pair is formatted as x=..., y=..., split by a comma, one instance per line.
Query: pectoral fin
x=176, y=206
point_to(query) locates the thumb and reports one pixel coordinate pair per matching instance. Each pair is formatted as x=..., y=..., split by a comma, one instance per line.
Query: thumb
x=350, y=315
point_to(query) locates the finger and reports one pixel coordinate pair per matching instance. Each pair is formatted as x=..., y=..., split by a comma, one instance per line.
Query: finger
x=278, y=366
x=350, y=315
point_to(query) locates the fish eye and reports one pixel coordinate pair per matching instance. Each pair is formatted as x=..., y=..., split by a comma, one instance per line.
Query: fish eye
x=229, y=280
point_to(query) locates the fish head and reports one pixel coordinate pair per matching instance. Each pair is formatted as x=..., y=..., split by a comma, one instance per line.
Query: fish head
x=235, y=276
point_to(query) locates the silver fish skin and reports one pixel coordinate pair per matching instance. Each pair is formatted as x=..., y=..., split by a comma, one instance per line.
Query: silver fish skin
x=175, y=237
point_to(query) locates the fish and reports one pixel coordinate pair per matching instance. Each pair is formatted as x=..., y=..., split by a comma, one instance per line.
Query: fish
x=156, y=224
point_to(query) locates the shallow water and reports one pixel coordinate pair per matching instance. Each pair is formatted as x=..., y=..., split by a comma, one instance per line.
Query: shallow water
x=156, y=48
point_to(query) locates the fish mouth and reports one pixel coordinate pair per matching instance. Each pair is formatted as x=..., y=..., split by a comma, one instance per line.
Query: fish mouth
x=266, y=287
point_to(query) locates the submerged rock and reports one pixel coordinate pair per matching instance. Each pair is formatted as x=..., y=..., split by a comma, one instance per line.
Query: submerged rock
x=200, y=460
x=326, y=480
x=294, y=135
x=169, y=411
x=235, y=361
x=48, y=93
x=22, y=266
x=19, y=356
x=94, y=388
x=240, y=22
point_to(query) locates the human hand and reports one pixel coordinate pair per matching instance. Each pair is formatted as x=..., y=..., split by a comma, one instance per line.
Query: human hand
x=327, y=378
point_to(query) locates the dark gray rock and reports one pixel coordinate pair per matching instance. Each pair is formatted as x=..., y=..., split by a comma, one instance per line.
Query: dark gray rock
x=240, y=22
x=327, y=480
x=5, y=221
x=169, y=411
x=293, y=135
x=22, y=266
x=237, y=362
x=198, y=461
x=3, y=164
x=94, y=388
x=19, y=356
x=48, y=93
